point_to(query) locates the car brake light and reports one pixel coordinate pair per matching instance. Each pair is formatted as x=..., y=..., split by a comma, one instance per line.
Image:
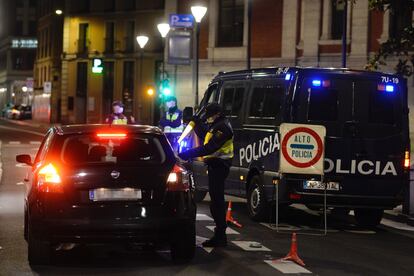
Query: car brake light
x=407, y=159
x=111, y=135
x=48, y=180
x=178, y=180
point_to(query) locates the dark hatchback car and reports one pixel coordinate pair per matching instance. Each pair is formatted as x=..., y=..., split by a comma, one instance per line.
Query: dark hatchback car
x=103, y=184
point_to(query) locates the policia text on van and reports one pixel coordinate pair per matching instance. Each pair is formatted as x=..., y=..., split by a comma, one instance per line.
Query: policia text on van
x=367, y=141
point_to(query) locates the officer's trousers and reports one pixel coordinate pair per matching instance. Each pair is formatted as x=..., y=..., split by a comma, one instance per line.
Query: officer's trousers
x=218, y=170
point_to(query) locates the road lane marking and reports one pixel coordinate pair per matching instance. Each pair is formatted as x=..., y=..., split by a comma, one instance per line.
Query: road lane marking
x=251, y=246
x=199, y=243
x=396, y=225
x=35, y=142
x=20, y=183
x=23, y=130
x=14, y=143
x=203, y=217
x=287, y=267
x=229, y=231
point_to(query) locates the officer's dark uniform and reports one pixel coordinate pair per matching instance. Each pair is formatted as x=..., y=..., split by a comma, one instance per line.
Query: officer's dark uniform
x=172, y=123
x=217, y=152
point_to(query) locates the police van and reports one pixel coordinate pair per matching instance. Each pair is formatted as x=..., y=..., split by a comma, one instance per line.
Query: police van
x=367, y=137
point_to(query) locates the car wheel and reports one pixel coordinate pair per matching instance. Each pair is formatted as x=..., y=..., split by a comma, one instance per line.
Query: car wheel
x=257, y=204
x=368, y=218
x=39, y=252
x=199, y=195
x=183, y=244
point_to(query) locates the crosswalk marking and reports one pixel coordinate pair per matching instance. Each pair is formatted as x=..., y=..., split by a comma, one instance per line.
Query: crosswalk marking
x=287, y=267
x=203, y=217
x=200, y=240
x=35, y=142
x=229, y=231
x=251, y=246
x=14, y=143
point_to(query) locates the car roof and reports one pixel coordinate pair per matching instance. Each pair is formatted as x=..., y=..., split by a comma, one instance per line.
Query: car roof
x=94, y=128
x=281, y=71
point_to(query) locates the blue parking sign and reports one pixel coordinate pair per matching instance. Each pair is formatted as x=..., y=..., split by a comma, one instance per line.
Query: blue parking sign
x=181, y=20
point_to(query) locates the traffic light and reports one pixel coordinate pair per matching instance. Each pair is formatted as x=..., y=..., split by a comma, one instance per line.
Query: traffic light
x=166, y=88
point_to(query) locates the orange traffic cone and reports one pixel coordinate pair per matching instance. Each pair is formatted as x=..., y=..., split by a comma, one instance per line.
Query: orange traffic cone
x=229, y=217
x=293, y=253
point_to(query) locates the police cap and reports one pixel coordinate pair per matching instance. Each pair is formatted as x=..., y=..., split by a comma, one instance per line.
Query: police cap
x=213, y=109
x=118, y=103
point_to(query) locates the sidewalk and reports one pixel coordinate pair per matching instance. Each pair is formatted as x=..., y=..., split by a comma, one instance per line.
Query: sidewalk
x=30, y=123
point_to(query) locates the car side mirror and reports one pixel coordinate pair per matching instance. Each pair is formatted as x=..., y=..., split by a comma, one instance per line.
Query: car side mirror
x=25, y=159
x=187, y=114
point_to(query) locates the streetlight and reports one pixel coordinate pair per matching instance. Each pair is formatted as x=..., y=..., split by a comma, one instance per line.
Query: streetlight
x=58, y=11
x=142, y=41
x=198, y=13
x=163, y=28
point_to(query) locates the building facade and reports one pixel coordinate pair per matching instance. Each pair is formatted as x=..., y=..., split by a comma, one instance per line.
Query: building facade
x=283, y=33
x=103, y=33
x=18, y=45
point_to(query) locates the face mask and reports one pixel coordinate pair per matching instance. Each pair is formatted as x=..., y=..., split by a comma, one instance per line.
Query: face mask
x=170, y=104
x=210, y=120
x=118, y=109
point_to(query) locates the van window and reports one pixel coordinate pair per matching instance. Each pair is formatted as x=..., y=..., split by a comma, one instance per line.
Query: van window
x=266, y=100
x=209, y=95
x=232, y=100
x=323, y=104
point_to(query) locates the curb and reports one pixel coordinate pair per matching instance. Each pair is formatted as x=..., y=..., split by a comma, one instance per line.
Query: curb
x=401, y=218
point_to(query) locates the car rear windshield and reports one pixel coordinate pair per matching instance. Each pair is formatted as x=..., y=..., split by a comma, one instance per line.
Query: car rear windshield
x=359, y=99
x=132, y=150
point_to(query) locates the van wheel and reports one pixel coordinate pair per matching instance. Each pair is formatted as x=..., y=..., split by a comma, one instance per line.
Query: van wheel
x=257, y=204
x=39, y=252
x=183, y=244
x=199, y=195
x=368, y=218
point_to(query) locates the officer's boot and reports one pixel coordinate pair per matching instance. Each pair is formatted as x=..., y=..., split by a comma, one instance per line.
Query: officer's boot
x=218, y=240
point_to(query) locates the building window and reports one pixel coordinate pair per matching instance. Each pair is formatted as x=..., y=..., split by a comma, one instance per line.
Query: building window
x=109, y=5
x=108, y=87
x=79, y=6
x=401, y=17
x=128, y=86
x=230, y=25
x=83, y=38
x=82, y=79
x=129, y=38
x=109, y=37
x=338, y=8
x=150, y=5
x=129, y=5
x=18, y=28
x=32, y=27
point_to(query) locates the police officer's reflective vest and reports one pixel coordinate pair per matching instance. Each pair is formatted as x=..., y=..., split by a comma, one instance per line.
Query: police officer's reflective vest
x=172, y=117
x=225, y=152
x=120, y=121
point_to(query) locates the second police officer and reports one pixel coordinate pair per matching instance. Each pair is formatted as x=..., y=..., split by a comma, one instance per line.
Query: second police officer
x=217, y=152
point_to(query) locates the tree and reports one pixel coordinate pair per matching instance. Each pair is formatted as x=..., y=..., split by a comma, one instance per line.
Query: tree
x=401, y=40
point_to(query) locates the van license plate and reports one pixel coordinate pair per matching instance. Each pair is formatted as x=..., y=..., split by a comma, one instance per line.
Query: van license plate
x=317, y=185
x=105, y=194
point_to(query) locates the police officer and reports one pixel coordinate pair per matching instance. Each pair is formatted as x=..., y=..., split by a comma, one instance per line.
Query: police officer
x=117, y=117
x=172, y=121
x=217, y=152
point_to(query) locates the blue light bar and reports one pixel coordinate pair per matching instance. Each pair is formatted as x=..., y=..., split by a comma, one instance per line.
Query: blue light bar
x=287, y=77
x=389, y=88
x=316, y=82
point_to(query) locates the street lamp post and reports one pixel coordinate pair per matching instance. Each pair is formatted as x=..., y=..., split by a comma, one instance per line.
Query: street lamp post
x=142, y=41
x=163, y=28
x=198, y=13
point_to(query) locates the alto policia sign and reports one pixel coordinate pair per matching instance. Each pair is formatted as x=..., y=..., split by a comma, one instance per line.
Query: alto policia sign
x=302, y=149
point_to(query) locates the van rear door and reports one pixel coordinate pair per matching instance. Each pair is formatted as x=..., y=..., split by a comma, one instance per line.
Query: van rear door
x=367, y=130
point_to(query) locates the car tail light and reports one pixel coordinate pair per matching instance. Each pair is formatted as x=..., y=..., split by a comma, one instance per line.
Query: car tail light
x=48, y=180
x=407, y=159
x=178, y=180
x=111, y=135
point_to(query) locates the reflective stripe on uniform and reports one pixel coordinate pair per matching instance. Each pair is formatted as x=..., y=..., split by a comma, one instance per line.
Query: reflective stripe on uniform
x=169, y=129
x=225, y=152
x=172, y=117
x=123, y=121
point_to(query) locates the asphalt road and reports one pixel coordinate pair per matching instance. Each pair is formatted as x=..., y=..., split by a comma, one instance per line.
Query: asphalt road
x=346, y=250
